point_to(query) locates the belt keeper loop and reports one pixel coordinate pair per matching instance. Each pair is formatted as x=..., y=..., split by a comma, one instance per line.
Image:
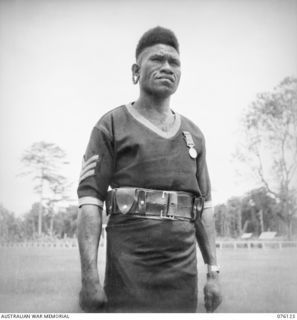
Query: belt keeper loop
x=113, y=200
x=141, y=202
x=172, y=204
x=163, y=212
x=167, y=203
x=197, y=208
x=166, y=196
x=202, y=206
x=111, y=203
x=194, y=210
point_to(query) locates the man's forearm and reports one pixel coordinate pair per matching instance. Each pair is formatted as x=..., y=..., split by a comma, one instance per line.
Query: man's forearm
x=89, y=232
x=206, y=236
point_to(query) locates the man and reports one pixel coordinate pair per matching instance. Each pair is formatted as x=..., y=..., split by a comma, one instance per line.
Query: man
x=153, y=159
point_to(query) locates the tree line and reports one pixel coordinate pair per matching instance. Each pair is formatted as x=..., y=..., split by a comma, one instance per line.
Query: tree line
x=26, y=227
x=255, y=212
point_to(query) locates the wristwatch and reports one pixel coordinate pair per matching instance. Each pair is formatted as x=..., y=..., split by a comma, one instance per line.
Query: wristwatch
x=213, y=268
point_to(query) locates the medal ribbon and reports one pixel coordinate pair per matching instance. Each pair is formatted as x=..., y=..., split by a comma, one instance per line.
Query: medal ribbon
x=189, y=139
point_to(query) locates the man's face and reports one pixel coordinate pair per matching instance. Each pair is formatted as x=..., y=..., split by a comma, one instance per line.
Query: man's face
x=159, y=70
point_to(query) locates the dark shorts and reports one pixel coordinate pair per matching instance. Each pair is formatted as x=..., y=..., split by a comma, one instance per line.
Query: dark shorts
x=151, y=265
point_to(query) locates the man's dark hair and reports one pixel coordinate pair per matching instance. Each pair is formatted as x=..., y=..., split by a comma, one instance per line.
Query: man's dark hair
x=154, y=36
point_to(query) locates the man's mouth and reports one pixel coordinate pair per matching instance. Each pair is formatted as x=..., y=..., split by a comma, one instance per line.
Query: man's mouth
x=166, y=78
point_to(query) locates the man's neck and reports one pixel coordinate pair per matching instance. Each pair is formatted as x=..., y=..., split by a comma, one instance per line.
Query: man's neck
x=153, y=106
x=157, y=111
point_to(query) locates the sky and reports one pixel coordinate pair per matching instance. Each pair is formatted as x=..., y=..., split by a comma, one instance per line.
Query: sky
x=63, y=64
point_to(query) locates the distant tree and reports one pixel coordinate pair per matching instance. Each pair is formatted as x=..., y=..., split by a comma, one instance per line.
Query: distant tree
x=222, y=221
x=6, y=223
x=10, y=226
x=30, y=221
x=270, y=149
x=228, y=219
x=234, y=213
x=259, y=212
x=65, y=222
x=44, y=162
x=58, y=186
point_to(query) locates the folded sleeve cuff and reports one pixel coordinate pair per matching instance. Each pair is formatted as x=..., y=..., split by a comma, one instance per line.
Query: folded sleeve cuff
x=90, y=200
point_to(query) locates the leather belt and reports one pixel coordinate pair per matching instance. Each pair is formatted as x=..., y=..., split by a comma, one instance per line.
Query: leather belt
x=156, y=204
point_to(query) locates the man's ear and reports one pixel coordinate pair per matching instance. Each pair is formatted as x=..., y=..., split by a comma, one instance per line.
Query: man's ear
x=135, y=69
x=135, y=73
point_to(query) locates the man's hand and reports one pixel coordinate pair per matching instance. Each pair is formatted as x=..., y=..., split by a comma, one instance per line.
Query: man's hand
x=92, y=298
x=212, y=292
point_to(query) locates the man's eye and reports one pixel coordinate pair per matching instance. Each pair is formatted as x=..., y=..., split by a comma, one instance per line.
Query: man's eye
x=175, y=63
x=157, y=59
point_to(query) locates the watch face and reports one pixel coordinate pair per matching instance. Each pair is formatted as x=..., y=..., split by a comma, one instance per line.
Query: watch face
x=214, y=268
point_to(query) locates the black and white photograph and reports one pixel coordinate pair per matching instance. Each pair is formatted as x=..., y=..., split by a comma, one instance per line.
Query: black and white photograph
x=148, y=157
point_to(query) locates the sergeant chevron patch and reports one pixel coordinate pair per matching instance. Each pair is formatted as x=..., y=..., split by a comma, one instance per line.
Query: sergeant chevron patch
x=88, y=167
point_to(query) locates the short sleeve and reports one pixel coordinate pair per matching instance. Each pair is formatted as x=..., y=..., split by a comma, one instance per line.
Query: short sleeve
x=97, y=169
x=203, y=176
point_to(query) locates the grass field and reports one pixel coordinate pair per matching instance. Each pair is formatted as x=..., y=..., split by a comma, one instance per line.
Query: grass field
x=48, y=280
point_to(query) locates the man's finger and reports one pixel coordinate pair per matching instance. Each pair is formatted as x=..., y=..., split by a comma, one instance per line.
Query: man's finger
x=217, y=300
x=212, y=301
x=208, y=301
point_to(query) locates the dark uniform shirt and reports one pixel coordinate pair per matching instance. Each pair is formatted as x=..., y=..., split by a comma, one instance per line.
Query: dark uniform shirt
x=134, y=153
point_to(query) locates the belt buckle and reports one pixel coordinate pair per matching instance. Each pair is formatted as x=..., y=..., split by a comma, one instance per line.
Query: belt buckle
x=166, y=196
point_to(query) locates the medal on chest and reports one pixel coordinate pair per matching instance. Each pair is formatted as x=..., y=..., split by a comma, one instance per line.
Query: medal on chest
x=190, y=144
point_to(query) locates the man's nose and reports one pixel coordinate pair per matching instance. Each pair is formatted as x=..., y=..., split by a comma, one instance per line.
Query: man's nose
x=166, y=67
